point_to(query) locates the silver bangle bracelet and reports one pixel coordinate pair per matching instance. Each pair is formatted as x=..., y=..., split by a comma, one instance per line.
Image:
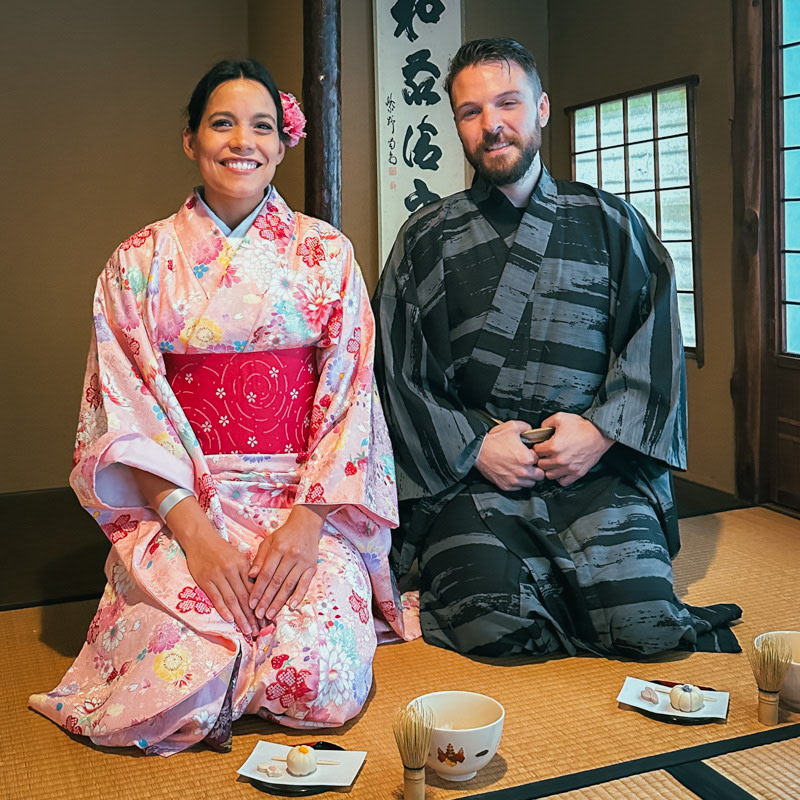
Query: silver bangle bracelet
x=171, y=500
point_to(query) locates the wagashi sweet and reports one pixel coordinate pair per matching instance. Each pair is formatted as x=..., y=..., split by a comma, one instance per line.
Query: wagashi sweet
x=649, y=695
x=271, y=770
x=686, y=697
x=301, y=760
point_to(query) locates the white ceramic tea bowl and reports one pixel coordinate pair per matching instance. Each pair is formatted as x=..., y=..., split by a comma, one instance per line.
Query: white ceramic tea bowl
x=790, y=691
x=466, y=732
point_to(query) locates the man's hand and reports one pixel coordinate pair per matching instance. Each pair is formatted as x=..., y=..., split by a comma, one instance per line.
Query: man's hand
x=575, y=447
x=286, y=562
x=505, y=460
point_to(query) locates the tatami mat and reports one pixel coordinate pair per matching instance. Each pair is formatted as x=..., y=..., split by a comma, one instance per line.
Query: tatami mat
x=768, y=772
x=650, y=786
x=561, y=714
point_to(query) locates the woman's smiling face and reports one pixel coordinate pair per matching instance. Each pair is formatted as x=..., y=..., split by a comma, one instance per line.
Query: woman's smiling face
x=237, y=148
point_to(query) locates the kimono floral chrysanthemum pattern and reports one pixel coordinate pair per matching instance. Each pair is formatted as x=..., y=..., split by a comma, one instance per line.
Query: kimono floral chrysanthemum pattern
x=158, y=658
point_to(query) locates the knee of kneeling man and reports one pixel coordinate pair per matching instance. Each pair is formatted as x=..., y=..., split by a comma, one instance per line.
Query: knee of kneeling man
x=643, y=634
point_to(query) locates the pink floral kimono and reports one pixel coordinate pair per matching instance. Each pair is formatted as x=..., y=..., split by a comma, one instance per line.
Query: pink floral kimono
x=159, y=660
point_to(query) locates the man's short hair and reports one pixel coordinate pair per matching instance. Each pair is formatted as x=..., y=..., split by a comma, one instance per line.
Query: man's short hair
x=499, y=50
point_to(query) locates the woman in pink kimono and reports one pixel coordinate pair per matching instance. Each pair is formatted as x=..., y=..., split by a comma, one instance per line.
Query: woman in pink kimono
x=232, y=447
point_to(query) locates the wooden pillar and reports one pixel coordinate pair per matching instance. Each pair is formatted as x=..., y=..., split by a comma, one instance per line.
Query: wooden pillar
x=322, y=106
x=749, y=261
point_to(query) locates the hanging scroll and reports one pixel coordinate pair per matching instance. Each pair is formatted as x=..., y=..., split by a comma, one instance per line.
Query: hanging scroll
x=419, y=155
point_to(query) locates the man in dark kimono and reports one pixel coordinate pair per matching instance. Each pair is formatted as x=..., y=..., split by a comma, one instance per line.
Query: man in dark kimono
x=525, y=302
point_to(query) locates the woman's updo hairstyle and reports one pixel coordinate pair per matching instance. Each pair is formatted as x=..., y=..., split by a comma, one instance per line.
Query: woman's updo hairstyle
x=232, y=70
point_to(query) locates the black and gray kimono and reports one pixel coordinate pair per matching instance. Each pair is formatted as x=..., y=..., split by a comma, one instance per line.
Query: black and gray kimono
x=486, y=311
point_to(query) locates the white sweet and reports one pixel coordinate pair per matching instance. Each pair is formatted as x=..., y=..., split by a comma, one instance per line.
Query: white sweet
x=686, y=697
x=301, y=760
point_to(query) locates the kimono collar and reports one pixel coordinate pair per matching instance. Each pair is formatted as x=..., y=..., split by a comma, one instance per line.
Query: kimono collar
x=502, y=342
x=274, y=221
x=544, y=194
x=499, y=211
x=242, y=228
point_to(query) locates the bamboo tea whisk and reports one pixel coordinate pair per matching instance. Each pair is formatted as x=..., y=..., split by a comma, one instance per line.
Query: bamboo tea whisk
x=413, y=727
x=770, y=660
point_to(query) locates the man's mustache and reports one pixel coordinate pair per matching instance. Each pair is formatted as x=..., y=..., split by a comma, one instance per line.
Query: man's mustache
x=490, y=139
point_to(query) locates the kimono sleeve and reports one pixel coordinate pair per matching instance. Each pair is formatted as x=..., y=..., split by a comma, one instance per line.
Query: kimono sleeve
x=121, y=422
x=350, y=457
x=436, y=438
x=642, y=402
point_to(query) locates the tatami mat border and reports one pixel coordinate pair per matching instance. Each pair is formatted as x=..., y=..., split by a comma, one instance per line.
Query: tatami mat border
x=676, y=758
x=707, y=783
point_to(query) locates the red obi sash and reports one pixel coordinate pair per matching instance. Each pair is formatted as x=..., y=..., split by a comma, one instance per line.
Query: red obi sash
x=246, y=402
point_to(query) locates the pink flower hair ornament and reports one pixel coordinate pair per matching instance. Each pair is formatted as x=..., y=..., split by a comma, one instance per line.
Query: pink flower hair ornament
x=294, y=120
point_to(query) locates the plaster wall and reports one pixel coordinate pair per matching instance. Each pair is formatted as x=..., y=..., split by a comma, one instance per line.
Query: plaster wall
x=92, y=97
x=599, y=50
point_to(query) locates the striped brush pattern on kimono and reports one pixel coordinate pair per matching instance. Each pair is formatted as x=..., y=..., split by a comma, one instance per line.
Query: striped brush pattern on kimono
x=568, y=305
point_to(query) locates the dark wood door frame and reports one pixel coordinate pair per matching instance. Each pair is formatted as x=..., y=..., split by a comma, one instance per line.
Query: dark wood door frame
x=750, y=232
x=766, y=380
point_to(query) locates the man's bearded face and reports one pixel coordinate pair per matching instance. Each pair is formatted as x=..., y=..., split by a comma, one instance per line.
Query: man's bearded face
x=504, y=158
x=499, y=119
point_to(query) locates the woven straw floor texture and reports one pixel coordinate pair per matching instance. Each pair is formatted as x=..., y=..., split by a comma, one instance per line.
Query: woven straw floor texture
x=561, y=714
x=768, y=772
x=649, y=786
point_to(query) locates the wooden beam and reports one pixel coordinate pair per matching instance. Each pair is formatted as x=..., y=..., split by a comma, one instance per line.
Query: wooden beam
x=749, y=260
x=322, y=105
